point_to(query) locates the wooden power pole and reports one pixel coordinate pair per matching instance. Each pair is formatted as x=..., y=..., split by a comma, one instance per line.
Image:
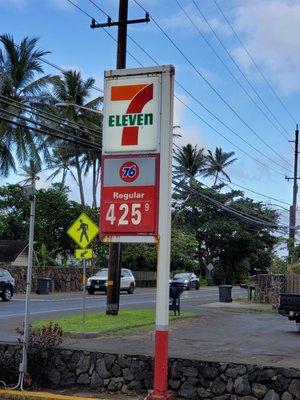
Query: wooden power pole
x=293, y=208
x=114, y=261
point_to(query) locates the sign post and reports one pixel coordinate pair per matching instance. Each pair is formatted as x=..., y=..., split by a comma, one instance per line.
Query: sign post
x=83, y=231
x=136, y=182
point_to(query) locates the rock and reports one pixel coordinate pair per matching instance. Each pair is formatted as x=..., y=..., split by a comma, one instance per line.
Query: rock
x=265, y=375
x=68, y=378
x=122, y=361
x=204, y=381
x=259, y=390
x=271, y=395
x=290, y=373
x=223, y=397
x=176, y=370
x=96, y=381
x=143, y=375
x=83, y=379
x=294, y=388
x=174, y=384
x=116, y=370
x=187, y=390
x=101, y=368
x=190, y=371
x=115, y=384
x=248, y=398
x=54, y=377
x=218, y=387
x=231, y=373
x=210, y=372
x=286, y=396
x=229, y=385
x=135, y=385
x=241, y=370
x=204, y=393
x=127, y=374
x=135, y=366
x=109, y=360
x=242, y=385
x=83, y=364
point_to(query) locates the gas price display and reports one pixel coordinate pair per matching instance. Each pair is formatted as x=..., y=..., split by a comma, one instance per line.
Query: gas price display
x=129, y=195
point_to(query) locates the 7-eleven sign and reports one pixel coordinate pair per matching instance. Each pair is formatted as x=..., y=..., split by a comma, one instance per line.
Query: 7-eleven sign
x=131, y=115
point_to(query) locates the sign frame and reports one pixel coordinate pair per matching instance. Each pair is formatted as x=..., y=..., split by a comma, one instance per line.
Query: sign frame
x=133, y=237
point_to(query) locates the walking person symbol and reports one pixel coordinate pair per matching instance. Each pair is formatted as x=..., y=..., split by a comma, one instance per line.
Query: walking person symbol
x=83, y=228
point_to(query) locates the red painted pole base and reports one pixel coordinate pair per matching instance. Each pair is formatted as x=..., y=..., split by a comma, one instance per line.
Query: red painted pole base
x=159, y=396
x=160, y=391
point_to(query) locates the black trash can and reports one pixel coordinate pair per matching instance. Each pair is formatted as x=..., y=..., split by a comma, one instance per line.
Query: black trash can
x=174, y=296
x=43, y=285
x=225, y=293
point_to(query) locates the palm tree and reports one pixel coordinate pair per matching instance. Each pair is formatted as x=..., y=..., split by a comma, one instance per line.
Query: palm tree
x=19, y=64
x=218, y=162
x=72, y=89
x=60, y=163
x=31, y=171
x=92, y=160
x=190, y=161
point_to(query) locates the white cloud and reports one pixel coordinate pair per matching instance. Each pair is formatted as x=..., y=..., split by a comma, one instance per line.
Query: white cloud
x=271, y=31
x=190, y=133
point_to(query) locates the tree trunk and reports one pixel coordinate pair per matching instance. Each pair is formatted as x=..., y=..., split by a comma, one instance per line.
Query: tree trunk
x=216, y=178
x=80, y=183
x=94, y=205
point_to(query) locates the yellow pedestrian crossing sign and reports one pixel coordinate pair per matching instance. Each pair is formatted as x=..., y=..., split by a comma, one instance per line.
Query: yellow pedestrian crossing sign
x=84, y=254
x=83, y=231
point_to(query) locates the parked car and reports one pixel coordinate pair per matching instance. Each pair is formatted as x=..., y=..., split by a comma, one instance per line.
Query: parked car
x=7, y=285
x=289, y=306
x=185, y=280
x=98, y=282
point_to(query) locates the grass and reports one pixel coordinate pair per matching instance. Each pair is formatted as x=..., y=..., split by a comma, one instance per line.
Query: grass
x=127, y=321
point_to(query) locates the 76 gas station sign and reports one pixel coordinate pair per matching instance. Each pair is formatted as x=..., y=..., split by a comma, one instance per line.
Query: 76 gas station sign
x=129, y=195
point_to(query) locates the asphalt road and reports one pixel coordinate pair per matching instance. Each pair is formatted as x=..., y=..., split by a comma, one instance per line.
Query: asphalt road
x=59, y=304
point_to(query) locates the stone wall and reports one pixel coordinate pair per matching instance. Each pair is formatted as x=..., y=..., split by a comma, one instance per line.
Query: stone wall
x=64, y=279
x=188, y=379
x=268, y=287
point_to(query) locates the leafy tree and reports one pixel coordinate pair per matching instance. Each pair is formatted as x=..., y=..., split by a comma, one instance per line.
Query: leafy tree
x=190, y=161
x=19, y=65
x=218, y=162
x=73, y=90
x=234, y=245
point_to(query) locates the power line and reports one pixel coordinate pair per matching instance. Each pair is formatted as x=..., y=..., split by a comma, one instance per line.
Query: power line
x=213, y=88
x=210, y=112
x=247, y=217
x=244, y=75
x=224, y=137
x=243, y=187
x=255, y=192
x=51, y=117
x=254, y=63
x=105, y=30
x=47, y=130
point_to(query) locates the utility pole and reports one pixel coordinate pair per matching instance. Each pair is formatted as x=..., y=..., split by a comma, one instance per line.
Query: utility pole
x=114, y=260
x=293, y=207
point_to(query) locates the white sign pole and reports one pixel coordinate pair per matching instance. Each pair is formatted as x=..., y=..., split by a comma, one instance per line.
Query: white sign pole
x=163, y=268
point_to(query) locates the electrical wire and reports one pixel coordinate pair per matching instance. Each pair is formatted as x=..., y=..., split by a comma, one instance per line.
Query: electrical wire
x=243, y=74
x=203, y=106
x=214, y=89
x=105, y=30
x=249, y=218
x=51, y=117
x=45, y=129
x=254, y=62
x=243, y=187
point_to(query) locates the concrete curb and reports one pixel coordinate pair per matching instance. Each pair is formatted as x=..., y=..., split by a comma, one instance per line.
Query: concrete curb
x=7, y=394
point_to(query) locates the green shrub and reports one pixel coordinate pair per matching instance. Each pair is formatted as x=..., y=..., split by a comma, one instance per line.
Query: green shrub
x=42, y=343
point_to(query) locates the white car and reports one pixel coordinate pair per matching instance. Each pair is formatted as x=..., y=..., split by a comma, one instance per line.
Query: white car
x=98, y=282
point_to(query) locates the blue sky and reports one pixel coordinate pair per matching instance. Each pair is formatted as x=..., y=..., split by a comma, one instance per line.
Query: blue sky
x=269, y=29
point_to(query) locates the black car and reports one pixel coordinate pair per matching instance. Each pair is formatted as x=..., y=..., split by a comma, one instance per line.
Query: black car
x=7, y=285
x=185, y=280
